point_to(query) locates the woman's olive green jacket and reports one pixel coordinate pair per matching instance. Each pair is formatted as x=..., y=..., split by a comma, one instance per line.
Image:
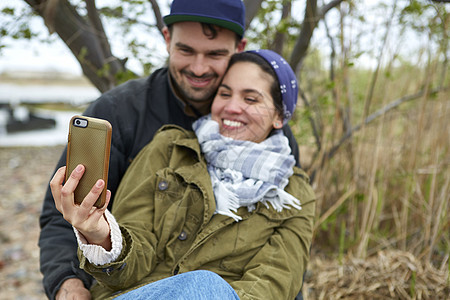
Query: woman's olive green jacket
x=165, y=208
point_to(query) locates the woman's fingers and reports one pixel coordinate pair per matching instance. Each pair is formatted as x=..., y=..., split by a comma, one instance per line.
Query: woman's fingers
x=93, y=195
x=56, y=186
x=85, y=211
x=67, y=204
x=72, y=182
x=90, y=220
x=108, y=198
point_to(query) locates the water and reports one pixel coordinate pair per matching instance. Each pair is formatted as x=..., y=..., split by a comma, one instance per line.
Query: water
x=15, y=94
x=42, y=137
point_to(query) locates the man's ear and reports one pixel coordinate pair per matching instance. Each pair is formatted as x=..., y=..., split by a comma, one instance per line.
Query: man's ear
x=241, y=45
x=167, y=38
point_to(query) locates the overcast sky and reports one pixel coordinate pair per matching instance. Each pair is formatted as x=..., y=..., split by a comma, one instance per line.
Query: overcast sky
x=26, y=55
x=39, y=57
x=33, y=55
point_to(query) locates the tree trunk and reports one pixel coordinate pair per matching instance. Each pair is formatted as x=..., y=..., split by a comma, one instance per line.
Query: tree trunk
x=83, y=40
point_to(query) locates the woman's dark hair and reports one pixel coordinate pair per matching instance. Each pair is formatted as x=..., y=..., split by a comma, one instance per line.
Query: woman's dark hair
x=267, y=68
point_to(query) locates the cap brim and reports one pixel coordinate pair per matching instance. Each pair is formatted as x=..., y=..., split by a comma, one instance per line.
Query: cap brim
x=170, y=19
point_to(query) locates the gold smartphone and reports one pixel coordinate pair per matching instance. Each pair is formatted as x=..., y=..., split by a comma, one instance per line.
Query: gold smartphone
x=89, y=144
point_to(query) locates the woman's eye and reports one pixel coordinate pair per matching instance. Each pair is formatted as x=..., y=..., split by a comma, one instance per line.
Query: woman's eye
x=251, y=100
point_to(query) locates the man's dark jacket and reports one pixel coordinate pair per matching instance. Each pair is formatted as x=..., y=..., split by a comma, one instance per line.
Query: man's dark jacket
x=136, y=110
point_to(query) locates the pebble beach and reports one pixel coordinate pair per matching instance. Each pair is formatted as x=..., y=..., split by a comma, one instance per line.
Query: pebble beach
x=24, y=176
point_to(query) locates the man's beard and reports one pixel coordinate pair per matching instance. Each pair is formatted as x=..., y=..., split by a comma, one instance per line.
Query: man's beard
x=194, y=94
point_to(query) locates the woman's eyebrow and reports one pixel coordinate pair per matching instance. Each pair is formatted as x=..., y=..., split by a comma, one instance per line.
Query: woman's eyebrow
x=225, y=86
x=253, y=91
x=250, y=90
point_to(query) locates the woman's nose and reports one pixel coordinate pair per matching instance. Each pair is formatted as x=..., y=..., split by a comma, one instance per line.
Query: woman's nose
x=234, y=106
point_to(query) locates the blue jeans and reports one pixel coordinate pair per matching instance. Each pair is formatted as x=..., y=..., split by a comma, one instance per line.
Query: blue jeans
x=191, y=285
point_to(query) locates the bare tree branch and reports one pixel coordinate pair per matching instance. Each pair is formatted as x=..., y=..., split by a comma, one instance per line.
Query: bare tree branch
x=49, y=11
x=326, y=7
x=158, y=17
x=333, y=150
x=333, y=51
x=315, y=130
x=444, y=45
x=99, y=32
x=251, y=9
x=280, y=37
x=97, y=25
x=380, y=56
x=379, y=113
x=310, y=21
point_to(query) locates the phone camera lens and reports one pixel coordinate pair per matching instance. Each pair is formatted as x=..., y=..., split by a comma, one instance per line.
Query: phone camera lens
x=78, y=122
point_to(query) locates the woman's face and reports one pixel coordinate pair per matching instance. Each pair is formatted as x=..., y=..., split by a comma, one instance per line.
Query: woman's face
x=243, y=106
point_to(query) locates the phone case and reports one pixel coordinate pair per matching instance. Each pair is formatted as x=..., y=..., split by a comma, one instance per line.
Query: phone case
x=89, y=144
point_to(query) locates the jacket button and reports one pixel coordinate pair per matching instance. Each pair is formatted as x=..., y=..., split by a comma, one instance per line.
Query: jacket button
x=177, y=269
x=182, y=236
x=108, y=270
x=163, y=185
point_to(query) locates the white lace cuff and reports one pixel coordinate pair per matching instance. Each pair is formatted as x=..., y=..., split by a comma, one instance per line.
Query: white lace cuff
x=97, y=255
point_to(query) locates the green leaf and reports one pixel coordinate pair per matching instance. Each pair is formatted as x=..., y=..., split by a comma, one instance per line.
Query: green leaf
x=8, y=11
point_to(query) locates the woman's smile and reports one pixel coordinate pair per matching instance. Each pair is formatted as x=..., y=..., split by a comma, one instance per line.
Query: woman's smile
x=232, y=124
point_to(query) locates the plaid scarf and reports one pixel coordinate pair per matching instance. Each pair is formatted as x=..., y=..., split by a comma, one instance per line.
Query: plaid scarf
x=244, y=173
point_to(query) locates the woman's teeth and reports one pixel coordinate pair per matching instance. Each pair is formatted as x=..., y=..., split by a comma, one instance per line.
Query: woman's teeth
x=232, y=123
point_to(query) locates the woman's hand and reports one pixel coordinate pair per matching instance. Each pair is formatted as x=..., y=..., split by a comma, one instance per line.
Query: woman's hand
x=86, y=218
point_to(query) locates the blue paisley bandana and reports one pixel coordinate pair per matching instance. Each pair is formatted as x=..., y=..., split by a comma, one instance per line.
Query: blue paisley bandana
x=286, y=78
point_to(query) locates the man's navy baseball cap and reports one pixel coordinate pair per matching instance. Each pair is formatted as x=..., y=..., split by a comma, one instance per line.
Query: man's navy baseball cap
x=229, y=14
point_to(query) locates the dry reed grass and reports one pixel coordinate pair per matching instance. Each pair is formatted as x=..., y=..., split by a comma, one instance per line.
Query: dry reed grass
x=382, y=226
x=390, y=274
x=391, y=190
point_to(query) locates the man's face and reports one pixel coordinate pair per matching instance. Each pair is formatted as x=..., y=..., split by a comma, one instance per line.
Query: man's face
x=196, y=62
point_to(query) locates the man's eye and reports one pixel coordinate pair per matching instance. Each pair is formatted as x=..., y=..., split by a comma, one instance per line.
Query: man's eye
x=216, y=55
x=185, y=51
